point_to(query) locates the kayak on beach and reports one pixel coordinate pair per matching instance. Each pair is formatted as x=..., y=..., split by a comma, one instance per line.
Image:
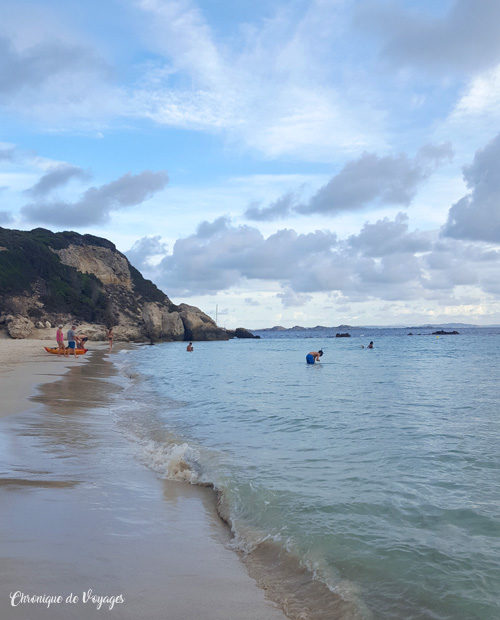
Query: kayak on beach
x=57, y=351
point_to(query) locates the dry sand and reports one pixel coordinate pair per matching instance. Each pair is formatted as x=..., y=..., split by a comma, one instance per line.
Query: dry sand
x=79, y=512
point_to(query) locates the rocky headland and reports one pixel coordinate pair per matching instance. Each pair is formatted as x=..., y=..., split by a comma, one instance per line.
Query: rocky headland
x=50, y=278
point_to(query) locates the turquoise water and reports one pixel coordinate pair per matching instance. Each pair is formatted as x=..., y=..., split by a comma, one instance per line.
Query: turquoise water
x=378, y=469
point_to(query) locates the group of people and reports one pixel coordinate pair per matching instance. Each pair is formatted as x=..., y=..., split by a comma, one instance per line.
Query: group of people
x=75, y=341
x=314, y=356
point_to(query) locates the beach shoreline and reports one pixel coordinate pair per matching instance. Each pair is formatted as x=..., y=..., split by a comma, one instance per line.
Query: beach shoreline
x=80, y=513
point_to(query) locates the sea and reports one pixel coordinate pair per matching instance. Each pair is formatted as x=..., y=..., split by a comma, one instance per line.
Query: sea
x=364, y=486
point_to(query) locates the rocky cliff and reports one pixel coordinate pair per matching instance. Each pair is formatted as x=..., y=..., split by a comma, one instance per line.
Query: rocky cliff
x=49, y=278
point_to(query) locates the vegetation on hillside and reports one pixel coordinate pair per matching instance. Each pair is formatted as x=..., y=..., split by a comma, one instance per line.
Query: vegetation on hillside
x=28, y=264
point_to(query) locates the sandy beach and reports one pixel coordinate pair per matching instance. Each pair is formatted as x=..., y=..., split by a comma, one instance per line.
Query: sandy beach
x=86, y=529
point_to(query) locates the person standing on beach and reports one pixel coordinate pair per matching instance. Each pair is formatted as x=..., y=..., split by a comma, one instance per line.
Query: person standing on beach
x=110, y=337
x=313, y=356
x=189, y=347
x=71, y=338
x=60, y=341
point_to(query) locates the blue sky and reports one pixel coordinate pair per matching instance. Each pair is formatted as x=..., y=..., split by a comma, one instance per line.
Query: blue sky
x=321, y=162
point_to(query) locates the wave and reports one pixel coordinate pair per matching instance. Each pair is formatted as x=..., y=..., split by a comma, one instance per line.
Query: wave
x=175, y=461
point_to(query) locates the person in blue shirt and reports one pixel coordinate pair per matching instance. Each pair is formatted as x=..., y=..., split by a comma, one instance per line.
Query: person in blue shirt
x=71, y=338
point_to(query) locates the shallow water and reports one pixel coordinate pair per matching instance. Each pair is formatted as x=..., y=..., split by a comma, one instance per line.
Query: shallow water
x=378, y=470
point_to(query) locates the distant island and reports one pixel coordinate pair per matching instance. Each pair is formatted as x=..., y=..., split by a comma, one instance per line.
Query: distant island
x=298, y=328
x=338, y=328
x=346, y=331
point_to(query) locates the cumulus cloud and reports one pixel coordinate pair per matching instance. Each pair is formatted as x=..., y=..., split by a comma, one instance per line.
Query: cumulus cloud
x=480, y=100
x=278, y=209
x=206, y=229
x=464, y=39
x=144, y=249
x=384, y=261
x=389, y=237
x=458, y=263
x=208, y=262
x=476, y=216
x=96, y=204
x=369, y=179
x=56, y=177
x=289, y=298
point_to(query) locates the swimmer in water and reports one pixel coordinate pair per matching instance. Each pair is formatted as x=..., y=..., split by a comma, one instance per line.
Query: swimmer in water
x=313, y=356
x=370, y=346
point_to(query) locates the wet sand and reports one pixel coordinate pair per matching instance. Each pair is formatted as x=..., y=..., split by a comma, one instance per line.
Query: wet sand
x=80, y=512
x=24, y=365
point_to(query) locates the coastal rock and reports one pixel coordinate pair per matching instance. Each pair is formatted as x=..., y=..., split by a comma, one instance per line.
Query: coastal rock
x=152, y=317
x=20, y=327
x=442, y=332
x=126, y=333
x=240, y=332
x=107, y=265
x=345, y=335
x=199, y=326
x=160, y=324
x=40, y=325
x=172, y=325
x=94, y=333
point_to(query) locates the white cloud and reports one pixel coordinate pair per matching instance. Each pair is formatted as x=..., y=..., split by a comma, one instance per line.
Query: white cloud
x=97, y=203
x=145, y=249
x=369, y=179
x=464, y=39
x=289, y=298
x=389, y=237
x=54, y=178
x=385, y=261
x=269, y=90
x=476, y=216
x=482, y=95
x=49, y=76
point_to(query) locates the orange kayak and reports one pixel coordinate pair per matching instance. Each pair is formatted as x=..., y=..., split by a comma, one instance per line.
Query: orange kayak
x=56, y=351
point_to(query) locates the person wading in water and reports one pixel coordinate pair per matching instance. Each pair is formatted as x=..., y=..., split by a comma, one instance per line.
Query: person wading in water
x=313, y=356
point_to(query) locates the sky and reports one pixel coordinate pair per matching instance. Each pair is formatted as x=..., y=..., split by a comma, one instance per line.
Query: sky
x=316, y=162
